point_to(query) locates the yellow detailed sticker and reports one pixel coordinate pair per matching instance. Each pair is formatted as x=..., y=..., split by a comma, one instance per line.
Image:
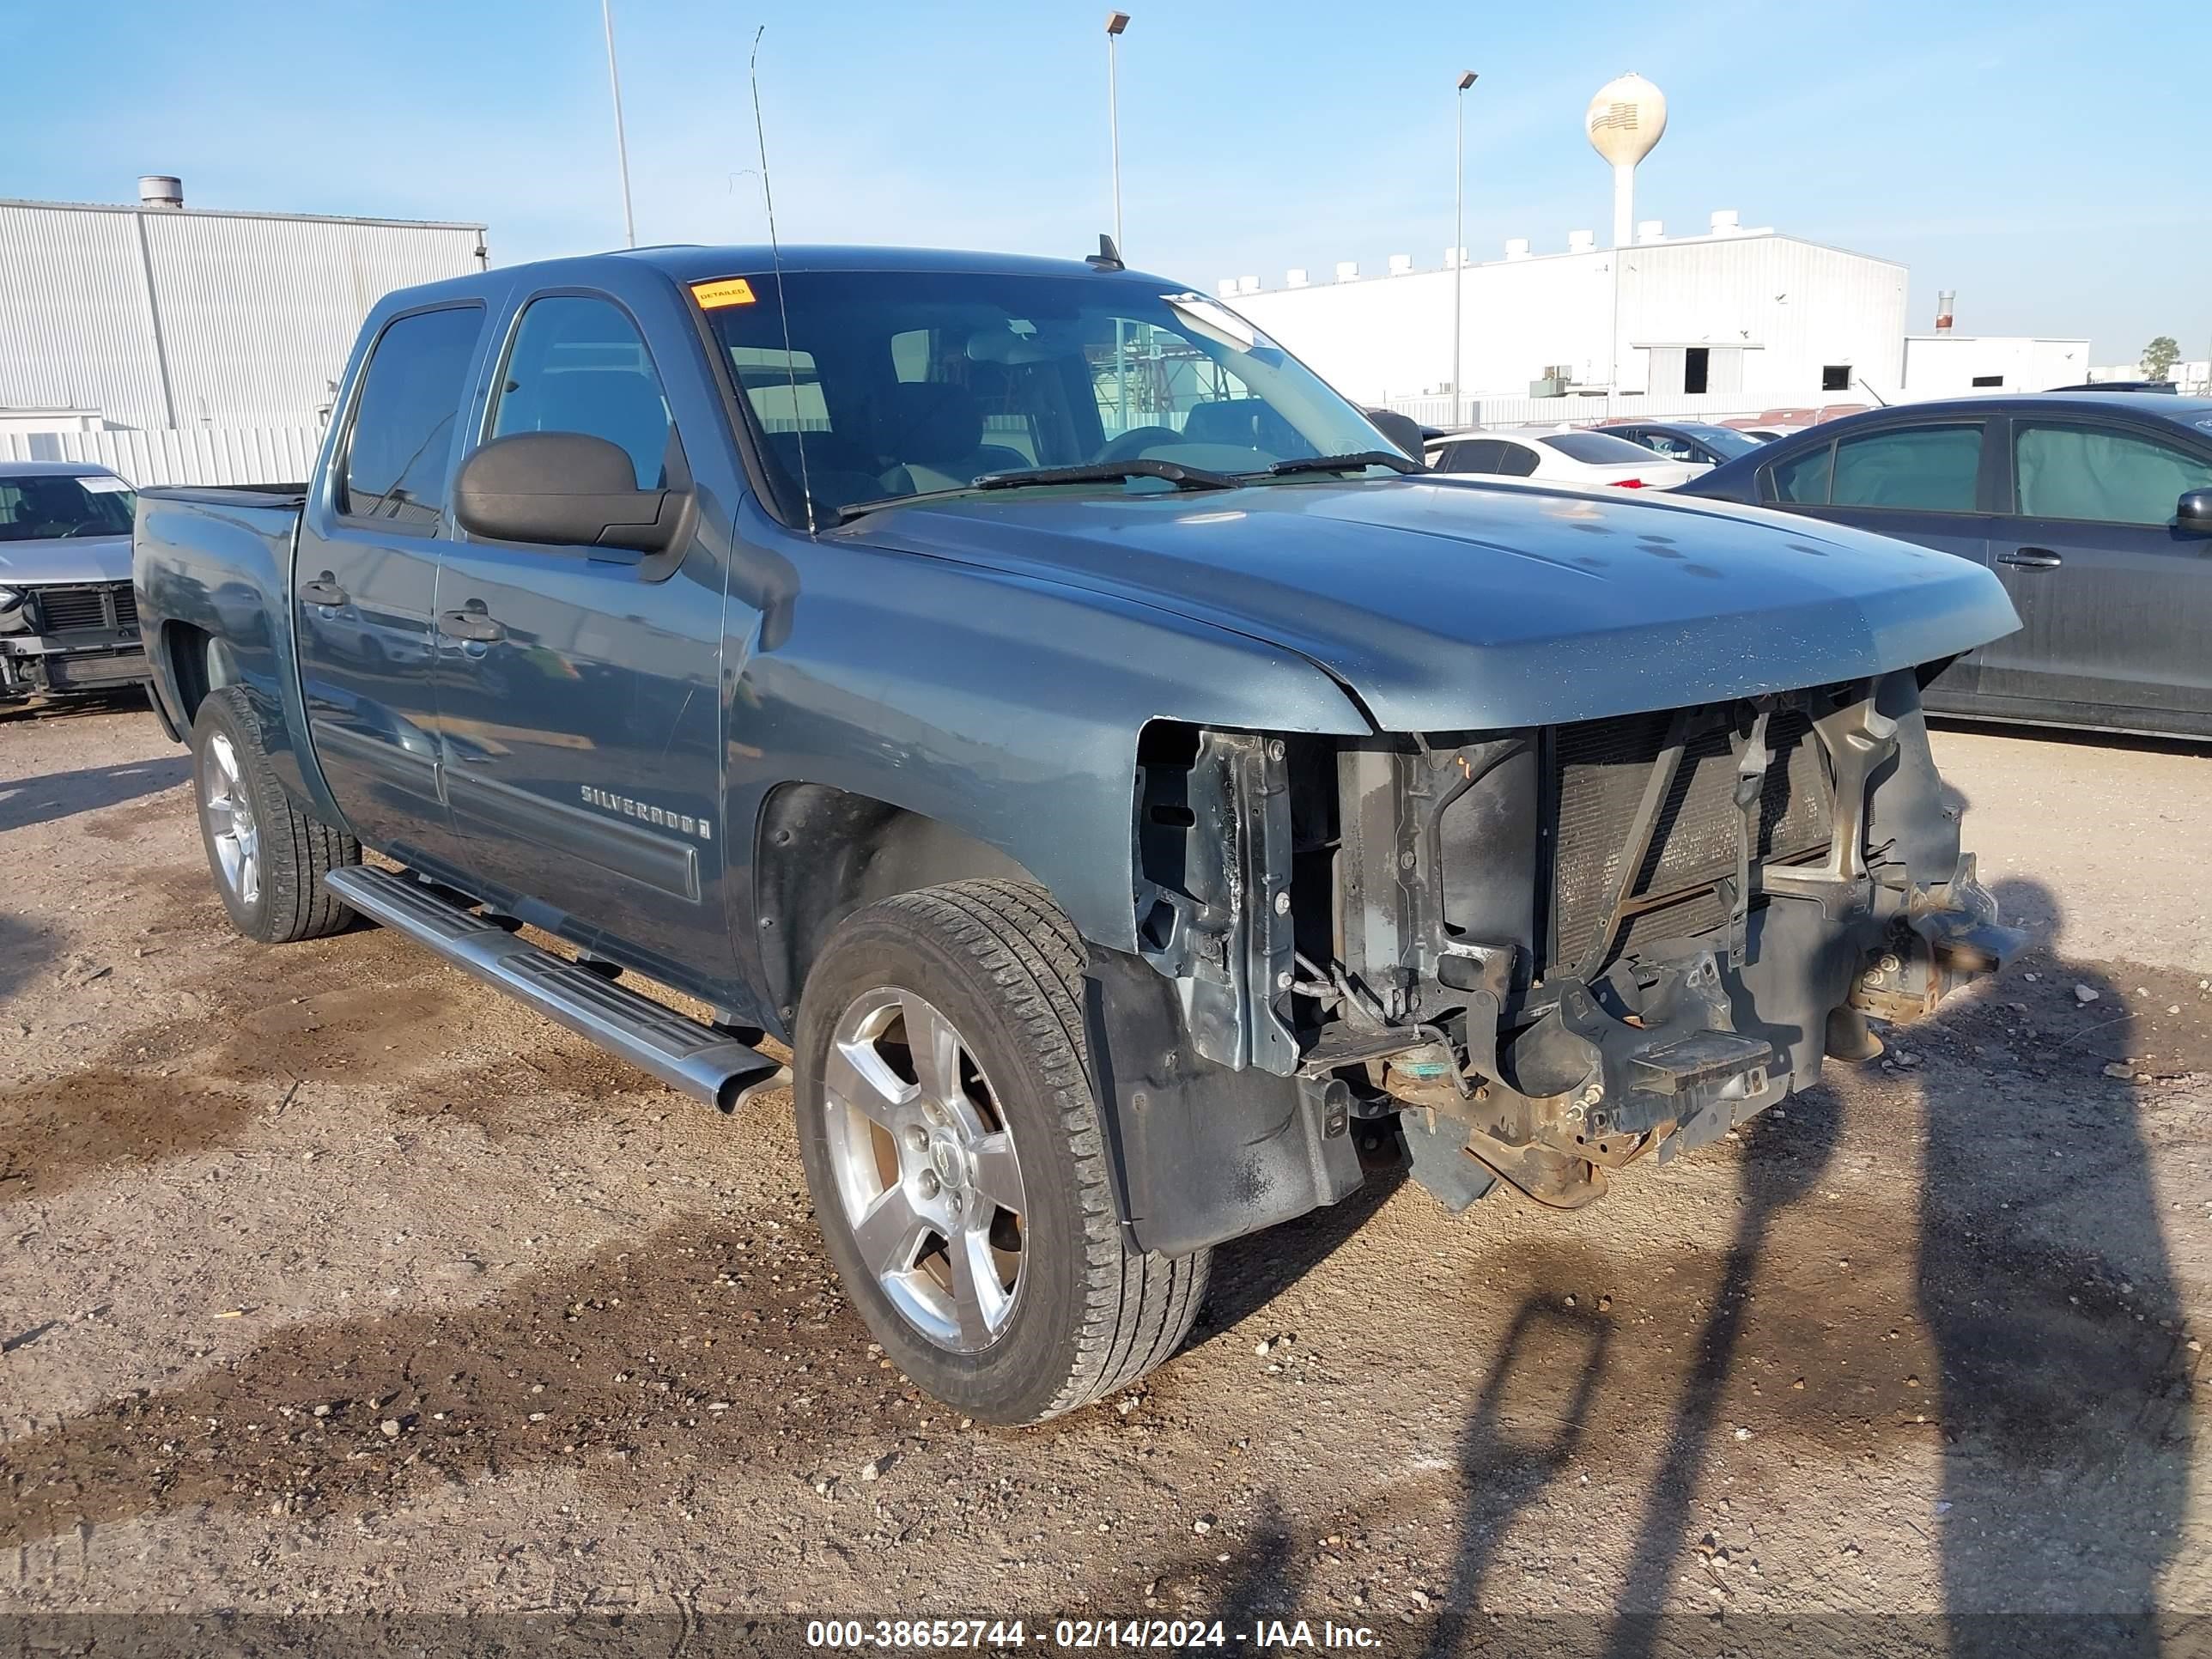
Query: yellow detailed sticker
x=730, y=291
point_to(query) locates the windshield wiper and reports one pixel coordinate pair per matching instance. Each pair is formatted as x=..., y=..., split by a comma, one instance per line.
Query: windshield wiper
x=1182, y=477
x=1389, y=457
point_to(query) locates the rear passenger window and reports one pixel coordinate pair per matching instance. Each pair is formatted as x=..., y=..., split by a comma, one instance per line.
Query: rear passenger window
x=1517, y=460
x=578, y=364
x=399, y=456
x=1928, y=469
x=1472, y=455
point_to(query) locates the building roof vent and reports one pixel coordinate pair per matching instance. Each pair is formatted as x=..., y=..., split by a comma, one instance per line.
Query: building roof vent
x=1650, y=230
x=159, y=190
x=1726, y=222
x=1294, y=277
x=1347, y=270
x=1581, y=241
x=1248, y=284
x=1226, y=288
x=1401, y=264
x=1517, y=248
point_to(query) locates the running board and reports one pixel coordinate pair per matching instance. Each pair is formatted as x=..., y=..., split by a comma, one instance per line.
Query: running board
x=686, y=1055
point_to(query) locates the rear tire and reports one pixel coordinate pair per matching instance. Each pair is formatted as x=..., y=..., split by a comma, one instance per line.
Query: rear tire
x=972, y=1159
x=267, y=856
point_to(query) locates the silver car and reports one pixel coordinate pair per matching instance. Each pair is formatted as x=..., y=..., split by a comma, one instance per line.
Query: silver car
x=68, y=621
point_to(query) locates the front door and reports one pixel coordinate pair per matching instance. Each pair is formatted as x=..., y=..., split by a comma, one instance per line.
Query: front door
x=578, y=705
x=366, y=577
x=2115, y=599
x=1926, y=482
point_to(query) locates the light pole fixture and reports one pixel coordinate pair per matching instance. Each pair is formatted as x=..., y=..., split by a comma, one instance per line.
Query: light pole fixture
x=1459, y=227
x=1116, y=22
x=622, y=144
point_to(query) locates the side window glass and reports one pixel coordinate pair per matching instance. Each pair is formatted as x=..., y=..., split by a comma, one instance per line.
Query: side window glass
x=1472, y=455
x=399, y=455
x=1928, y=469
x=2099, y=475
x=1517, y=460
x=578, y=364
x=1803, y=479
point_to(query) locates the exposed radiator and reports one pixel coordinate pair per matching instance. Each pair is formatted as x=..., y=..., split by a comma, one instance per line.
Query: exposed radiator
x=1600, y=768
x=101, y=607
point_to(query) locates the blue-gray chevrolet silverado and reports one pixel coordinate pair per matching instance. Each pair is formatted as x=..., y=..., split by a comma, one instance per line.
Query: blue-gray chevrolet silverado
x=1143, y=799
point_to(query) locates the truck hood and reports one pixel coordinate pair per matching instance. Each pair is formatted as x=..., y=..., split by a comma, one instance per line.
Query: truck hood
x=1449, y=605
x=66, y=559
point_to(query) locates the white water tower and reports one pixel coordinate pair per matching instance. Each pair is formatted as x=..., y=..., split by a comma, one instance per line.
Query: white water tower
x=1623, y=121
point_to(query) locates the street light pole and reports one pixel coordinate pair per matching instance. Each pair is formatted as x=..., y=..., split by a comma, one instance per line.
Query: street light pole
x=622, y=145
x=1116, y=22
x=1459, y=229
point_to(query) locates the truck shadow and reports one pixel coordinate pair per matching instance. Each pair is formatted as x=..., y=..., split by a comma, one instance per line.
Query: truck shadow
x=2049, y=1293
x=57, y=795
x=584, y=1367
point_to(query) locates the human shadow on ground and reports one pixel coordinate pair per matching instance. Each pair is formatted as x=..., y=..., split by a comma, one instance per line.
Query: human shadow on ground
x=2053, y=1304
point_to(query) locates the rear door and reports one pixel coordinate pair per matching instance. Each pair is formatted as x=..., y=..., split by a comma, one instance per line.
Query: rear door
x=366, y=576
x=2114, y=599
x=578, y=686
x=1930, y=481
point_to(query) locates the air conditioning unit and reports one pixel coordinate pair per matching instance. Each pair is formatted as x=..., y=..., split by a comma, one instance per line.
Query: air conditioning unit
x=1557, y=377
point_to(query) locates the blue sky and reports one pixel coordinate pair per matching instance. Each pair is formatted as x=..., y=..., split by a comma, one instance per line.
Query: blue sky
x=2046, y=161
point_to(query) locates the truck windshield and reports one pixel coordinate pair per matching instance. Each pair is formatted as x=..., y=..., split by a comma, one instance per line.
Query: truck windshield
x=43, y=508
x=905, y=383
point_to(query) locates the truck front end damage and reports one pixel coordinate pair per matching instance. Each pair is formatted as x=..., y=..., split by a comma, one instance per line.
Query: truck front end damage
x=1532, y=956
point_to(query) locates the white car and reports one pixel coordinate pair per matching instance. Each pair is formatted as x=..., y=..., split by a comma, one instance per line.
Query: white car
x=1589, y=460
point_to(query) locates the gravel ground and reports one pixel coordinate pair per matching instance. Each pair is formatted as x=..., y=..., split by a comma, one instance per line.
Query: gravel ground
x=333, y=1282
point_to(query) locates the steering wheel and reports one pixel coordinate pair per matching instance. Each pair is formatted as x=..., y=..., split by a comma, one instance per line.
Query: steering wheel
x=1136, y=440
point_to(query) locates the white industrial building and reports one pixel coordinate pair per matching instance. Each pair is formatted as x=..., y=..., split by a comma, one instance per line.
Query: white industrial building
x=153, y=316
x=1762, y=317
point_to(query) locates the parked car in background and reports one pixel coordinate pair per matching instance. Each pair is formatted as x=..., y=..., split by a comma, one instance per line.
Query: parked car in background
x=2166, y=387
x=2094, y=509
x=1590, y=460
x=1128, y=814
x=68, y=619
x=1699, y=444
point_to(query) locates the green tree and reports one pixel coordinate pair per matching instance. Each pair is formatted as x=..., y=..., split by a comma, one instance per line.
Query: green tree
x=2160, y=356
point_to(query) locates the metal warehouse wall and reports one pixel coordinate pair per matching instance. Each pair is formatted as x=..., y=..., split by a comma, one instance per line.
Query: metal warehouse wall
x=179, y=318
x=1792, y=306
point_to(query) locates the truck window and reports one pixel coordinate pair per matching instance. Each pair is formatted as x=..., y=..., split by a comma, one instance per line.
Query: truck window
x=578, y=364
x=399, y=455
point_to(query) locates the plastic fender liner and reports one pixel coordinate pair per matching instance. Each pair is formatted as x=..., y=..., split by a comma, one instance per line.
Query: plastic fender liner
x=1203, y=1153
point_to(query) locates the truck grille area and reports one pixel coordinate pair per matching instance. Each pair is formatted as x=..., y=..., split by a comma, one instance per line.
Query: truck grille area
x=94, y=607
x=1599, y=771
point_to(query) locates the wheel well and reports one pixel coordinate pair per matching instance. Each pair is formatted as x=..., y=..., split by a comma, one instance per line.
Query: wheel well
x=194, y=662
x=822, y=853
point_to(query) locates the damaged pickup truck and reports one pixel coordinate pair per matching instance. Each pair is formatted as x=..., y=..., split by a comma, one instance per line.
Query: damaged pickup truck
x=1140, y=796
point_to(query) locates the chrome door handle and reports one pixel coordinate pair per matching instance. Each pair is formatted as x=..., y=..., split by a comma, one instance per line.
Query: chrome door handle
x=2033, y=558
x=323, y=590
x=471, y=625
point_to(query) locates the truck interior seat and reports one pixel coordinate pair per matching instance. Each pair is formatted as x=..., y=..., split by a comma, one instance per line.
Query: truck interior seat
x=929, y=435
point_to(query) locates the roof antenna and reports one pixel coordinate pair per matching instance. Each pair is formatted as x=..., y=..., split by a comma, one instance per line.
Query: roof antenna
x=783, y=305
x=1108, y=258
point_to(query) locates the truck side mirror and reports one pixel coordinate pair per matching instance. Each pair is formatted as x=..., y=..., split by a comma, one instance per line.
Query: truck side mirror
x=1402, y=430
x=2194, y=511
x=564, y=489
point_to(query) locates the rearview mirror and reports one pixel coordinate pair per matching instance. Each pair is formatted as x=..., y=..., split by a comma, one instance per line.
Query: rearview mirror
x=564, y=489
x=2194, y=511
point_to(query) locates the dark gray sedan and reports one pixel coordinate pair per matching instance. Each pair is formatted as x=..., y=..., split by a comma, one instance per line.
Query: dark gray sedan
x=2094, y=509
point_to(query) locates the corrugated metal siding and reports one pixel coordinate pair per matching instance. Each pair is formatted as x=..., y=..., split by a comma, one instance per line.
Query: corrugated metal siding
x=73, y=327
x=191, y=455
x=256, y=312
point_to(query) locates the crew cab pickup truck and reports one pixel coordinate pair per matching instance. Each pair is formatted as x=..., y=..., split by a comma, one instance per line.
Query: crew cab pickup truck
x=1142, y=798
x=68, y=621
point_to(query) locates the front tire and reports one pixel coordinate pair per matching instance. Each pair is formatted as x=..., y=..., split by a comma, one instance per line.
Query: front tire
x=268, y=857
x=957, y=1156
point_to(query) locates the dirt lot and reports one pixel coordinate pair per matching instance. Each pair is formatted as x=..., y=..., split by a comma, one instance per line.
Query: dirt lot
x=329, y=1281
